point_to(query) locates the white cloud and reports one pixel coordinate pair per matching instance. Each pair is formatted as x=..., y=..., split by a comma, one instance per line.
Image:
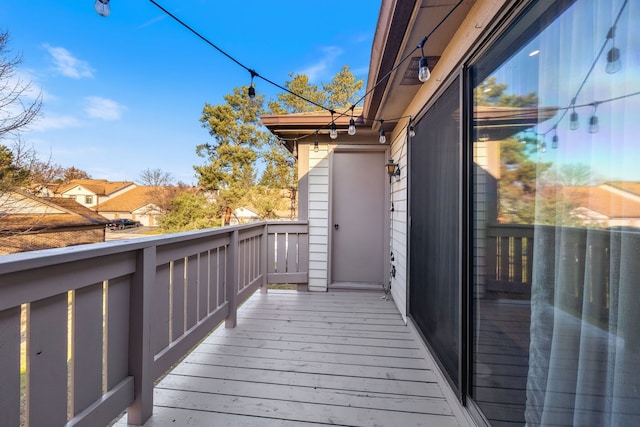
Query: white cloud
x=320, y=69
x=67, y=64
x=103, y=108
x=51, y=122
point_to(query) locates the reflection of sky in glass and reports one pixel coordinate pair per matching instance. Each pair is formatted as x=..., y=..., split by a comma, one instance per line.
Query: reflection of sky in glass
x=567, y=49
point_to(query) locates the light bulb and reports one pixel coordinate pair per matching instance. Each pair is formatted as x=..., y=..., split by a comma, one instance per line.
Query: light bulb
x=593, y=124
x=253, y=101
x=295, y=149
x=554, y=141
x=102, y=7
x=412, y=131
x=315, y=146
x=573, y=121
x=333, y=132
x=383, y=138
x=352, y=127
x=423, y=72
x=613, y=60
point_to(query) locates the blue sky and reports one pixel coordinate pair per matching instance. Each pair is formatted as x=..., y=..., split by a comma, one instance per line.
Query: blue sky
x=124, y=93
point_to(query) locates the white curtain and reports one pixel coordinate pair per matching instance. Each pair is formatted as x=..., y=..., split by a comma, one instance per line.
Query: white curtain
x=584, y=363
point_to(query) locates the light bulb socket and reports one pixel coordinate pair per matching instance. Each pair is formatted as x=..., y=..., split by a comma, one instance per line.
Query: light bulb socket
x=554, y=141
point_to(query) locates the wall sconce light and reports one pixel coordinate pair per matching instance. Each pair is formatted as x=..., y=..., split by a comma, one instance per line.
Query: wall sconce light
x=393, y=169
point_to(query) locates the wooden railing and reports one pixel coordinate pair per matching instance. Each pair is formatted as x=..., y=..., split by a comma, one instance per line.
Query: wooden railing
x=509, y=258
x=580, y=279
x=98, y=324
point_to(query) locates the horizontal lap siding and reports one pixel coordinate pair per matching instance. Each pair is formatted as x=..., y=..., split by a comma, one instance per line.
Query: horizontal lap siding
x=398, y=226
x=318, y=218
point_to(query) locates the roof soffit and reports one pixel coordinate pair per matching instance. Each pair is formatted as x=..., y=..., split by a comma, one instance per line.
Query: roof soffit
x=391, y=98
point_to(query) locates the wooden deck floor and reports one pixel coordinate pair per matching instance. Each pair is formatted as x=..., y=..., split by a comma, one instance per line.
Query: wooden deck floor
x=306, y=359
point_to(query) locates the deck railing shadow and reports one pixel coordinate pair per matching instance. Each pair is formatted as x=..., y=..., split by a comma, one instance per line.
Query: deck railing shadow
x=99, y=324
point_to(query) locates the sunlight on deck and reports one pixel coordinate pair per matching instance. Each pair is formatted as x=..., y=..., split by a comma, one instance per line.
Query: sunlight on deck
x=299, y=358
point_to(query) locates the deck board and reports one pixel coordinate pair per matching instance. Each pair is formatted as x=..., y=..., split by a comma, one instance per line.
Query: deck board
x=302, y=358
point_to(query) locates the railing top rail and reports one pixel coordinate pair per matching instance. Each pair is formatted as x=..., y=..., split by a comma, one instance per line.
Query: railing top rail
x=42, y=258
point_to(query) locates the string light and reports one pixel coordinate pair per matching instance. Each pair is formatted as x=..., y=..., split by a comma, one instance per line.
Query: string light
x=333, y=132
x=295, y=148
x=102, y=7
x=315, y=144
x=543, y=145
x=287, y=90
x=423, y=71
x=574, y=124
x=594, y=127
x=252, y=90
x=613, y=56
x=554, y=140
x=383, y=137
x=412, y=130
x=352, y=123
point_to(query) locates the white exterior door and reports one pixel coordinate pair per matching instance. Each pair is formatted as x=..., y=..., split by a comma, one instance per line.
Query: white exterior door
x=358, y=217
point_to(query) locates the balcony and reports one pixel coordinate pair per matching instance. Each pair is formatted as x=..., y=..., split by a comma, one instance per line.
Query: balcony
x=109, y=328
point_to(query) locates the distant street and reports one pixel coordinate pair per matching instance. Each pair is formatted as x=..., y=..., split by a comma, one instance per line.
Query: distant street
x=129, y=233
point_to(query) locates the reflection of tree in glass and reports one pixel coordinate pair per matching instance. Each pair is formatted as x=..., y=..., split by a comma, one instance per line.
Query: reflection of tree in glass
x=517, y=183
x=531, y=191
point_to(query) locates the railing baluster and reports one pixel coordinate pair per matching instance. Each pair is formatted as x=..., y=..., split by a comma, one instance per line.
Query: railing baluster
x=231, y=282
x=10, y=372
x=191, y=291
x=141, y=355
x=264, y=249
x=47, y=361
x=87, y=347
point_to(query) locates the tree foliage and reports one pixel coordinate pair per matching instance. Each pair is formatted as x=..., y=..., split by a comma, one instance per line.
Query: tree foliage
x=189, y=211
x=343, y=89
x=241, y=147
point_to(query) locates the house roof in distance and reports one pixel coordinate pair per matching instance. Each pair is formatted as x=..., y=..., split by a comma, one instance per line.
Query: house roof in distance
x=59, y=212
x=101, y=187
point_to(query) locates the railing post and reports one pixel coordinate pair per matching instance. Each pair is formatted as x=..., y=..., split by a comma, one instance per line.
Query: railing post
x=231, y=285
x=264, y=250
x=140, y=348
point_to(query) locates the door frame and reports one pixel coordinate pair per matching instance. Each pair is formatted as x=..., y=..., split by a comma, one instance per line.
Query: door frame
x=386, y=242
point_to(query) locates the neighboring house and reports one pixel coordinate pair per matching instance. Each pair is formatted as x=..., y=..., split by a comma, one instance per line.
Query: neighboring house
x=555, y=341
x=92, y=192
x=607, y=205
x=29, y=223
x=140, y=204
x=244, y=215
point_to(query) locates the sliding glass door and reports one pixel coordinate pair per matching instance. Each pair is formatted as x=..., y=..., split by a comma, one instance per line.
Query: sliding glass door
x=556, y=218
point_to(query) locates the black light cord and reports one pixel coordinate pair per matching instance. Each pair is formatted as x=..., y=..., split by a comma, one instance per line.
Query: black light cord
x=593, y=64
x=256, y=74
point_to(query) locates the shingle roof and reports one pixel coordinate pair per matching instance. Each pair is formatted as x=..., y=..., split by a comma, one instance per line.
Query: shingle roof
x=131, y=200
x=100, y=187
x=629, y=186
x=76, y=216
x=601, y=200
